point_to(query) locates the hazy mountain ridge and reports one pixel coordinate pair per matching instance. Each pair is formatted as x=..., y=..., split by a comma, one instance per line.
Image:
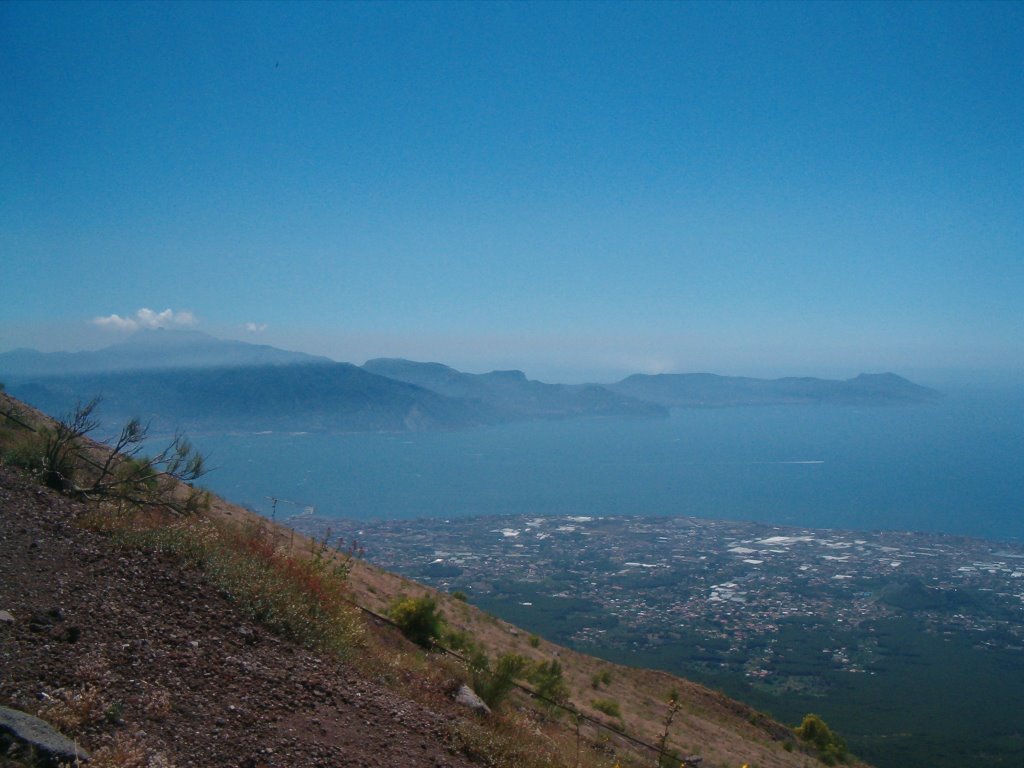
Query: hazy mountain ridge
x=148, y=349
x=190, y=380
x=513, y=393
x=297, y=397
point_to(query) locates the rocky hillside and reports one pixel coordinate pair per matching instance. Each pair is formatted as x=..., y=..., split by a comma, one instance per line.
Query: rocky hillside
x=115, y=629
x=144, y=662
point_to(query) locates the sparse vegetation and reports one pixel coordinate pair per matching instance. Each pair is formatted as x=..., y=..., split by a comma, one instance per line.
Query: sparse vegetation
x=604, y=677
x=72, y=708
x=607, y=706
x=303, y=596
x=548, y=682
x=117, y=473
x=510, y=742
x=126, y=752
x=672, y=707
x=534, y=641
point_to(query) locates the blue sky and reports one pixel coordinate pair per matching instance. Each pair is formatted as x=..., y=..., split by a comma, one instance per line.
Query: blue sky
x=579, y=190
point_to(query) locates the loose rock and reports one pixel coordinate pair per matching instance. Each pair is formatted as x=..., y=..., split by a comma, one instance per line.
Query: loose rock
x=38, y=737
x=467, y=697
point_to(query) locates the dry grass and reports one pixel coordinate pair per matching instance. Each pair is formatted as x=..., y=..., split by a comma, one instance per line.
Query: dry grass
x=157, y=703
x=299, y=595
x=300, y=589
x=123, y=752
x=70, y=709
x=73, y=709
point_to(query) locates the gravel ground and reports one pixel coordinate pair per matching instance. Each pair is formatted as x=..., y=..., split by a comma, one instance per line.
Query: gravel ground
x=135, y=653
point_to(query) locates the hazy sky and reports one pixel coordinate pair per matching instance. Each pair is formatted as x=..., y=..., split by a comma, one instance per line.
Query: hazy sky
x=578, y=190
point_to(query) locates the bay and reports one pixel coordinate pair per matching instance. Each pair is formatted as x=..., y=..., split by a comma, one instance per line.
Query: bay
x=948, y=467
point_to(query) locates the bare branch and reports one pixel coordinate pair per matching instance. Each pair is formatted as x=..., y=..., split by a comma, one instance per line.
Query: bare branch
x=123, y=475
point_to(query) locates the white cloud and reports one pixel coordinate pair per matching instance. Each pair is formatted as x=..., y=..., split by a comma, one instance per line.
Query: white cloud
x=116, y=323
x=147, y=318
x=255, y=327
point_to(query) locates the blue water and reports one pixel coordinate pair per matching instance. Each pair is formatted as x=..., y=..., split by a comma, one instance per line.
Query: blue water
x=951, y=467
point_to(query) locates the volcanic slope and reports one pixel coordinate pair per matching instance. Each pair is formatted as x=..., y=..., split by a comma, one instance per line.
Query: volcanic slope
x=142, y=659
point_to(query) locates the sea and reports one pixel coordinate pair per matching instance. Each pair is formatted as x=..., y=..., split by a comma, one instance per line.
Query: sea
x=955, y=466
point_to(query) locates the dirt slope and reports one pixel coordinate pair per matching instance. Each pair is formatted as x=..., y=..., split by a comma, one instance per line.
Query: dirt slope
x=142, y=653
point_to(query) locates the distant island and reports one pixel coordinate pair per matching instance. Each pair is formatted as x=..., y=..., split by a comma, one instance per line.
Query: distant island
x=193, y=381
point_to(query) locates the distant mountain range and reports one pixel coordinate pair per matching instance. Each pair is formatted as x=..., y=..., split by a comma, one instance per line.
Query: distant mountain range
x=298, y=397
x=147, y=349
x=510, y=393
x=190, y=380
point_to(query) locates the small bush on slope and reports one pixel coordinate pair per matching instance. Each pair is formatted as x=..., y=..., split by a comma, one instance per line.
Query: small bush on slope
x=418, y=619
x=494, y=682
x=831, y=747
x=607, y=706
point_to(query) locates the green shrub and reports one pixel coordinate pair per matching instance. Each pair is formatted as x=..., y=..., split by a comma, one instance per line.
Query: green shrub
x=549, y=682
x=23, y=449
x=457, y=640
x=494, y=683
x=608, y=707
x=460, y=596
x=670, y=758
x=418, y=619
x=14, y=425
x=604, y=677
x=534, y=641
x=830, y=746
